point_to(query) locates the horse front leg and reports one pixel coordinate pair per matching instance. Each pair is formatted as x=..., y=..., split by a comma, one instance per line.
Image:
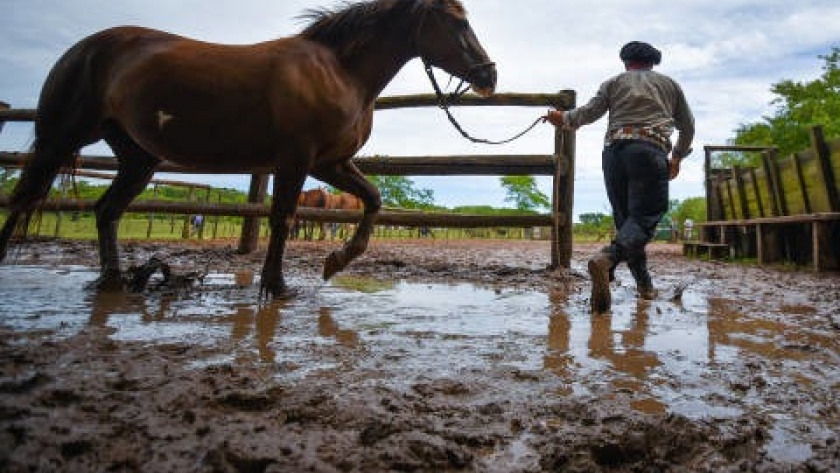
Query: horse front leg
x=281, y=220
x=347, y=177
x=136, y=168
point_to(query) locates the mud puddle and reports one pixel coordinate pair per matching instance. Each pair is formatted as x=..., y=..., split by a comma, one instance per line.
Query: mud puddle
x=702, y=358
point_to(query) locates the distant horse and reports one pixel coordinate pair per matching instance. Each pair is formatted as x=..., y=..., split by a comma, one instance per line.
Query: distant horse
x=320, y=198
x=296, y=106
x=342, y=201
x=317, y=198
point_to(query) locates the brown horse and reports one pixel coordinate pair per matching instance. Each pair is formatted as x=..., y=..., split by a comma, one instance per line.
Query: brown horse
x=294, y=106
x=317, y=198
x=342, y=201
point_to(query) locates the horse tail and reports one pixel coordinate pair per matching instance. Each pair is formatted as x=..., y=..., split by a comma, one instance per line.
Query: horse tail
x=68, y=117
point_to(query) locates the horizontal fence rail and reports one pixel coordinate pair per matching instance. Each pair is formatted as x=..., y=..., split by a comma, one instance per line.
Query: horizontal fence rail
x=475, y=165
x=386, y=217
x=562, y=100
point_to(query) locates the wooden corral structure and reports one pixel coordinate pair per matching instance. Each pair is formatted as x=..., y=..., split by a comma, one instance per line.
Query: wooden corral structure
x=559, y=164
x=787, y=210
x=186, y=225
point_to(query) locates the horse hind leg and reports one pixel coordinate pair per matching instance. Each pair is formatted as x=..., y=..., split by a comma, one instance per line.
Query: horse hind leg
x=34, y=185
x=347, y=177
x=136, y=168
x=68, y=118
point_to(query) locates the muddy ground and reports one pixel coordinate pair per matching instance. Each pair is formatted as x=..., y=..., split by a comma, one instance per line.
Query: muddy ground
x=764, y=397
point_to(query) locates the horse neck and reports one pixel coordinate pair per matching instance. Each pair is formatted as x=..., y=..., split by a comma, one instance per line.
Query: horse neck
x=377, y=64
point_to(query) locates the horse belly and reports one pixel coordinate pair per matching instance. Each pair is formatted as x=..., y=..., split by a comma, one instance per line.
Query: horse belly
x=200, y=135
x=190, y=117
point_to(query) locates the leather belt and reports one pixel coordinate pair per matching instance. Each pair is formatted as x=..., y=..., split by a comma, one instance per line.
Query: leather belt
x=648, y=134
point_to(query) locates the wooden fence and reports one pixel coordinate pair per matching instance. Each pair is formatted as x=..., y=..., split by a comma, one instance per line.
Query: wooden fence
x=787, y=209
x=559, y=164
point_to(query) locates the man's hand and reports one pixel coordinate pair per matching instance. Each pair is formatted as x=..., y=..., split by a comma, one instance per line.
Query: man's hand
x=673, y=167
x=555, y=117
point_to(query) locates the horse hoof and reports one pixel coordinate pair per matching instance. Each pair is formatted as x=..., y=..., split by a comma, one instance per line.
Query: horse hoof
x=278, y=291
x=332, y=265
x=280, y=294
x=108, y=284
x=284, y=293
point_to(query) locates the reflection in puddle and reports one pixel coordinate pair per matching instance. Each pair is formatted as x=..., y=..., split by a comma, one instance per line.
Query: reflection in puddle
x=655, y=357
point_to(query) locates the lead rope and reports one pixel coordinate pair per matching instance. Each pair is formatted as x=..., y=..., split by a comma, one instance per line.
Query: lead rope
x=443, y=104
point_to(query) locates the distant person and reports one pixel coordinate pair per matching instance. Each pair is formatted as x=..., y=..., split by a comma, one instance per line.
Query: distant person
x=197, y=223
x=644, y=109
x=688, y=229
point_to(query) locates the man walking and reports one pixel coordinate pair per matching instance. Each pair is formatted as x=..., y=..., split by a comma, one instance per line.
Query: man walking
x=644, y=109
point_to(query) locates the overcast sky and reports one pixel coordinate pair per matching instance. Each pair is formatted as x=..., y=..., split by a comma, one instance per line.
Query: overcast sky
x=725, y=54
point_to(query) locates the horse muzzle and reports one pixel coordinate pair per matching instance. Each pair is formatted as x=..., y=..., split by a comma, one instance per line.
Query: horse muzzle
x=482, y=79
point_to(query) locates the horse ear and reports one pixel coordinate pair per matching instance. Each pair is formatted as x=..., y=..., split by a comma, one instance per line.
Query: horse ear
x=455, y=7
x=431, y=3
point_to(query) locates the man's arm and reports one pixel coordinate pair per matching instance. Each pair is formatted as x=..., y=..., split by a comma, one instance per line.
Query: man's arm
x=684, y=123
x=583, y=115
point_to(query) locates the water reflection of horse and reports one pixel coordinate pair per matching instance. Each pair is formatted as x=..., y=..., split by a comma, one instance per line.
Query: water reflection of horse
x=293, y=106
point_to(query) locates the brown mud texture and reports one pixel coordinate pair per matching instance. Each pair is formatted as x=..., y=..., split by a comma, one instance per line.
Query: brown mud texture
x=348, y=397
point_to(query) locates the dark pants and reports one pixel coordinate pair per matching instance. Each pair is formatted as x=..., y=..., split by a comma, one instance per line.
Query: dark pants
x=636, y=177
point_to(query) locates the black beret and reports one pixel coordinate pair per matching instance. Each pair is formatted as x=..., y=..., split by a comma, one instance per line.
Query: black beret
x=638, y=51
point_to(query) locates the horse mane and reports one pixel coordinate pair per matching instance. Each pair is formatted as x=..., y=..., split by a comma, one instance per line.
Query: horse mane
x=352, y=25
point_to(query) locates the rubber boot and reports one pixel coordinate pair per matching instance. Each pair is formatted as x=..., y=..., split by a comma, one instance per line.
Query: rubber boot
x=614, y=251
x=644, y=285
x=600, y=266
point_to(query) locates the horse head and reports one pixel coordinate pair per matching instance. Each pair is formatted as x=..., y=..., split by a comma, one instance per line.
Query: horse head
x=446, y=40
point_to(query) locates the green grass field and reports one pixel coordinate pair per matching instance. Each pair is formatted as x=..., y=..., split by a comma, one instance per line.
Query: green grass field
x=174, y=227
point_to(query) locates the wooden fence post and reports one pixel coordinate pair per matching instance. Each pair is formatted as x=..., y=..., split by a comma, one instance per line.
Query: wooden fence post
x=204, y=217
x=563, y=196
x=565, y=206
x=806, y=199
x=719, y=207
x=249, y=239
x=824, y=156
x=216, y=219
x=772, y=183
x=738, y=174
x=707, y=183
x=152, y=214
x=3, y=106
x=773, y=159
x=758, y=200
x=186, y=229
x=733, y=211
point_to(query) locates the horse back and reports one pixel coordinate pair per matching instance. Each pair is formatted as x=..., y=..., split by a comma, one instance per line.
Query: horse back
x=211, y=105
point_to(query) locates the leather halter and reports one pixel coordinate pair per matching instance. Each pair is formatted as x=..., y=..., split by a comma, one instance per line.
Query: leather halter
x=445, y=100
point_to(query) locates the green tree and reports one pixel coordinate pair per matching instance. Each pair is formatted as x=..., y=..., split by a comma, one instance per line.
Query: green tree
x=523, y=192
x=8, y=179
x=399, y=191
x=594, y=224
x=799, y=105
x=693, y=208
x=485, y=210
